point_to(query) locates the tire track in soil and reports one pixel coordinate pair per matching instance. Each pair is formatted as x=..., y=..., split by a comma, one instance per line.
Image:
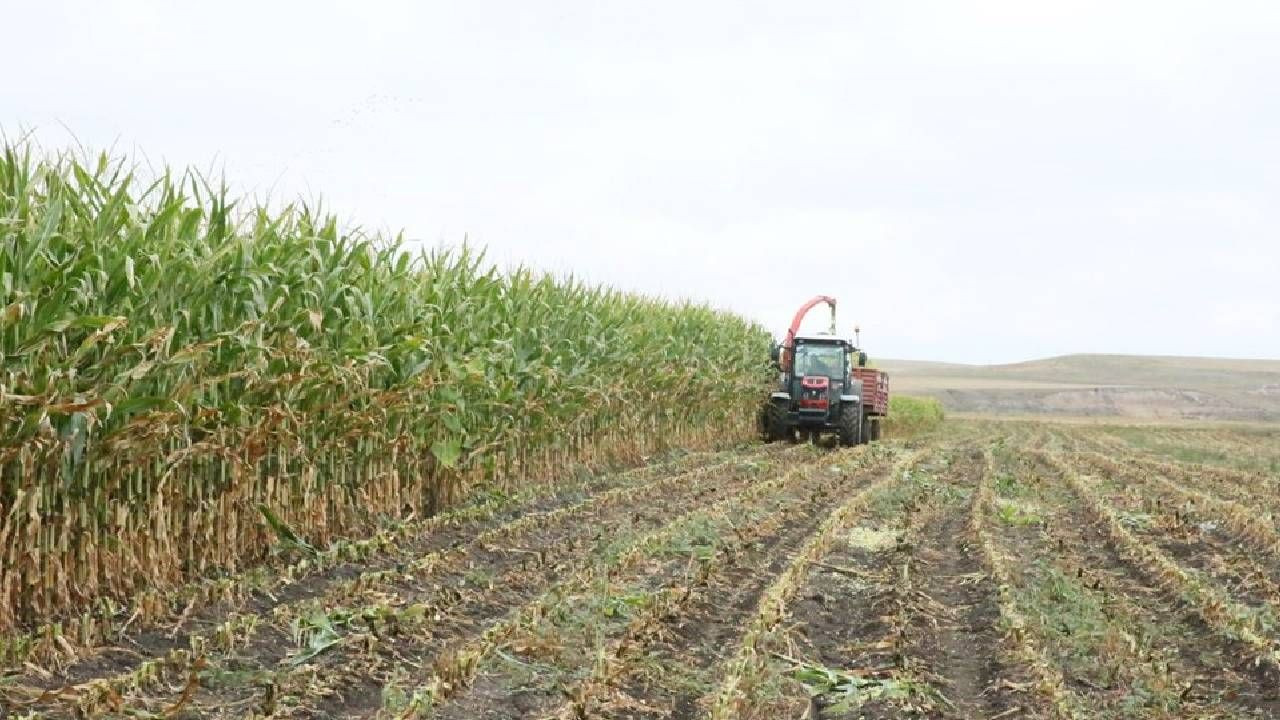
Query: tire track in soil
x=707, y=632
x=268, y=643
x=693, y=637
x=845, y=619
x=1208, y=666
x=941, y=628
x=952, y=637
x=359, y=671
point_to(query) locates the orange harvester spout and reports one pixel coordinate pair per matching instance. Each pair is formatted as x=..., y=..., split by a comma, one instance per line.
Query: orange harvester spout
x=787, y=345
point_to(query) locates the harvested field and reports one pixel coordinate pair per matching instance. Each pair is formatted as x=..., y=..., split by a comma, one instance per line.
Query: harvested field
x=984, y=570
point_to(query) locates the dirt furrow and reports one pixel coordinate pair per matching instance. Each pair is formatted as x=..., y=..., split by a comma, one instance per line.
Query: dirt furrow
x=1125, y=649
x=1189, y=466
x=951, y=639
x=458, y=599
x=708, y=654
x=1238, y=450
x=1228, y=543
x=843, y=629
x=899, y=617
x=655, y=664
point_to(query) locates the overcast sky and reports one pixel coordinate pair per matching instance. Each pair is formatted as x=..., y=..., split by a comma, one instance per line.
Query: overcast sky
x=975, y=181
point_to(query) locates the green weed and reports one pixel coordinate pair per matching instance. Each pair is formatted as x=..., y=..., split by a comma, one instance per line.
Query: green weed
x=1018, y=514
x=910, y=415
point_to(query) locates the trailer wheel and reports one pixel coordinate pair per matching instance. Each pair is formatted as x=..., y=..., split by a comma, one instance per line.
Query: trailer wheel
x=875, y=429
x=867, y=426
x=850, y=426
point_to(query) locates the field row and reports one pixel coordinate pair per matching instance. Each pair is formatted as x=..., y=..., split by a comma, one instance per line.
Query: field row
x=1036, y=572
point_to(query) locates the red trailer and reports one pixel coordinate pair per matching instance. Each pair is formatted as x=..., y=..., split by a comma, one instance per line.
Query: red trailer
x=875, y=390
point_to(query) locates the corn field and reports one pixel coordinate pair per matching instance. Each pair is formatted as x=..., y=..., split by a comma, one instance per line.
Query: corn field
x=176, y=367
x=254, y=466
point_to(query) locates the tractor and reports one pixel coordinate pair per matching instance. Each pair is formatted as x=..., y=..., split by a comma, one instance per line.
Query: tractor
x=824, y=386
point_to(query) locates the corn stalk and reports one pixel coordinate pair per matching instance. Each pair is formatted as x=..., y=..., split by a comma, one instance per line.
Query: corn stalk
x=172, y=360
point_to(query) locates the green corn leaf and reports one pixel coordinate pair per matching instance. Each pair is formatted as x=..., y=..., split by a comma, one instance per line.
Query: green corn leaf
x=284, y=533
x=447, y=452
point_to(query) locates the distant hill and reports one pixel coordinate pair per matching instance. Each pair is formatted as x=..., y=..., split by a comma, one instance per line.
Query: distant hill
x=1140, y=386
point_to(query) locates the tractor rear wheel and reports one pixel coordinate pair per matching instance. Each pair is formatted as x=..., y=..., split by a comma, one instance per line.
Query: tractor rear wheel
x=773, y=423
x=850, y=426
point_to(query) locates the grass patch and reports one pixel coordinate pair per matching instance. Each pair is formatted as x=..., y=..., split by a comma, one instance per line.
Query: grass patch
x=1100, y=643
x=1241, y=451
x=1007, y=484
x=910, y=415
x=1019, y=513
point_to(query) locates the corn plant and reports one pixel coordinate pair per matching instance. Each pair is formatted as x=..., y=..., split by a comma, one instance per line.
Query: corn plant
x=176, y=366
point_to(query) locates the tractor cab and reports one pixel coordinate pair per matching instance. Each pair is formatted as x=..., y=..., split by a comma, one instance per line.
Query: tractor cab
x=819, y=377
x=821, y=357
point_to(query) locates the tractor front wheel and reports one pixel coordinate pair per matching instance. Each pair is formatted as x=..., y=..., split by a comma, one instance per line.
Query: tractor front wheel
x=850, y=426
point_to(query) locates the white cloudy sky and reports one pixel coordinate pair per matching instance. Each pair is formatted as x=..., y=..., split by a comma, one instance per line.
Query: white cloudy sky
x=976, y=181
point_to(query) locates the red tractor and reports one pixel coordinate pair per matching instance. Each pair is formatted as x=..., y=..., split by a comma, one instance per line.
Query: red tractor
x=824, y=386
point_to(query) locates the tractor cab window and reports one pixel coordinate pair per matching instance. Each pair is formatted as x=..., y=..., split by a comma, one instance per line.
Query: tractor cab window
x=824, y=360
